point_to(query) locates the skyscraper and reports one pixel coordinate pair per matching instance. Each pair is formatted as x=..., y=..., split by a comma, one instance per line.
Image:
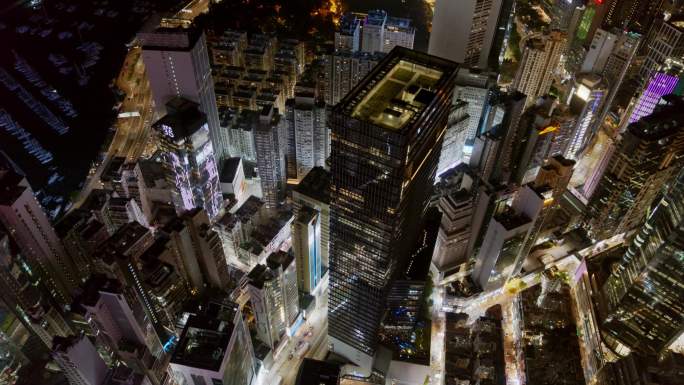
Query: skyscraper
x=644, y=293
x=215, y=349
x=189, y=158
x=25, y=221
x=25, y=295
x=306, y=244
x=503, y=248
x=662, y=82
x=386, y=136
x=270, y=140
x=314, y=192
x=455, y=232
x=455, y=137
x=177, y=65
x=540, y=58
x=307, y=124
x=343, y=70
x=475, y=88
x=632, y=14
x=120, y=325
x=79, y=361
x=648, y=154
x=272, y=290
x=381, y=33
x=665, y=40
x=464, y=31
x=586, y=102
x=348, y=33
x=600, y=49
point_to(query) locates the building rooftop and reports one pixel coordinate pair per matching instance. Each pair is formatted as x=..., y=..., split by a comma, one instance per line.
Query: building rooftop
x=259, y=275
x=399, y=89
x=279, y=258
x=666, y=119
x=96, y=200
x=314, y=372
x=230, y=168
x=203, y=343
x=169, y=39
x=183, y=119
x=90, y=291
x=349, y=22
x=151, y=171
x=510, y=220
x=316, y=184
x=250, y=207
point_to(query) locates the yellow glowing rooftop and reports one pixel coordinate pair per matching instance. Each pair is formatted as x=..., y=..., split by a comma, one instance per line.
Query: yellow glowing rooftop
x=401, y=93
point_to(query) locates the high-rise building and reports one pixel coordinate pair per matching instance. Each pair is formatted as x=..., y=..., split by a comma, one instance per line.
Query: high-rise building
x=386, y=136
x=373, y=31
x=456, y=206
x=205, y=246
x=270, y=140
x=273, y=293
x=647, y=155
x=81, y=233
x=153, y=186
x=189, y=158
x=601, y=48
x=642, y=369
x=586, y=101
x=343, y=70
x=503, y=31
x=306, y=244
x=381, y=33
x=177, y=64
x=508, y=134
x=400, y=32
x=662, y=82
x=120, y=257
x=79, y=361
x=285, y=267
x=124, y=210
x=503, y=247
x=644, y=292
x=455, y=137
x=621, y=57
x=619, y=62
x=464, y=31
x=119, y=325
x=596, y=174
x=18, y=344
x=664, y=40
x=348, y=33
x=538, y=127
x=635, y=15
x=25, y=295
x=307, y=124
x=314, y=192
x=215, y=349
x=540, y=58
x=475, y=88
x=25, y=221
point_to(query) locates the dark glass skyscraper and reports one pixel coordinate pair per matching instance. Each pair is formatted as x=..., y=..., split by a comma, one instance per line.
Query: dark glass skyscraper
x=644, y=293
x=648, y=154
x=386, y=138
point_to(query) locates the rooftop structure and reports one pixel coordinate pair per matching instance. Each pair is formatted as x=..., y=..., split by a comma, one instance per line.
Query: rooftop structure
x=399, y=93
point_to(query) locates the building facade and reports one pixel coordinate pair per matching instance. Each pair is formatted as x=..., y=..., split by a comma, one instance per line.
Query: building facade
x=383, y=163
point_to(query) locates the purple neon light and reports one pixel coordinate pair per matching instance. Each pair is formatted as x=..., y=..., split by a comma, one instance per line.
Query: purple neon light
x=660, y=85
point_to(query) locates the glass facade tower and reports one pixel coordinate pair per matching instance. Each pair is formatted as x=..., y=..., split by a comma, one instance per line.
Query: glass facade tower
x=386, y=138
x=644, y=293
